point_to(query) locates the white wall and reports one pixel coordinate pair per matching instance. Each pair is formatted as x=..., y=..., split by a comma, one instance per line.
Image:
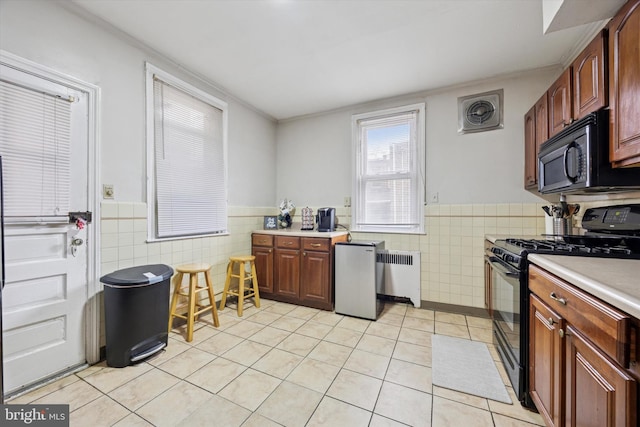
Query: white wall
x=314, y=153
x=51, y=35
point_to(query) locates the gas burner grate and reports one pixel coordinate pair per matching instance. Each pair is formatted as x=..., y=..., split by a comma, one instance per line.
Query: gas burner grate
x=559, y=247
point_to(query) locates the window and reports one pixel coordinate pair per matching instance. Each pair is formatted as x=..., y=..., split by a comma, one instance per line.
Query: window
x=388, y=183
x=186, y=159
x=36, y=147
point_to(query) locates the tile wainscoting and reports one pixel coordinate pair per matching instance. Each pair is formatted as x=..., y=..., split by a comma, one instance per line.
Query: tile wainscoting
x=124, y=240
x=452, y=269
x=452, y=262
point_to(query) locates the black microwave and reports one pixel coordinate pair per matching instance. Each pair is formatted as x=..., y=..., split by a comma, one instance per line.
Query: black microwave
x=576, y=160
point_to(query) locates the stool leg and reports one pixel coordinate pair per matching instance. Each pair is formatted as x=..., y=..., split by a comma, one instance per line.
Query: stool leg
x=227, y=282
x=193, y=281
x=254, y=278
x=212, y=300
x=177, y=283
x=241, y=290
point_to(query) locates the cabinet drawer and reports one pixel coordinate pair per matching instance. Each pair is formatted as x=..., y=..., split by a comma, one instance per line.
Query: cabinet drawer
x=261, y=240
x=604, y=325
x=315, y=244
x=287, y=242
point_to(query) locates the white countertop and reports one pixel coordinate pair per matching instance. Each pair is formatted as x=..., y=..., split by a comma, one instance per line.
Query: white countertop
x=616, y=281
x=296, y=232
x=493, y=237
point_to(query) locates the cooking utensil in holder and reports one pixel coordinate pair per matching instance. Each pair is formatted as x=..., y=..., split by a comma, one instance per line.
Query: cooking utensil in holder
x=562, y=226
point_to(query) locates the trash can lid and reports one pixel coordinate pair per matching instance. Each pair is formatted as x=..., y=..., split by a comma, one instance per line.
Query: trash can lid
x=141, y=275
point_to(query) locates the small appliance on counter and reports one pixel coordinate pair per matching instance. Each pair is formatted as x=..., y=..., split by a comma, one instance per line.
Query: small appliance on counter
x=307, y=219
x=326, y=219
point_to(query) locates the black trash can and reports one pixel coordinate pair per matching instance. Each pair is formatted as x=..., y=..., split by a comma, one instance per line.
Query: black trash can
x=136, y=312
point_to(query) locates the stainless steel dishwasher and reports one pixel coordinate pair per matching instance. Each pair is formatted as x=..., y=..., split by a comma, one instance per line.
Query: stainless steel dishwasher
x=359, y=278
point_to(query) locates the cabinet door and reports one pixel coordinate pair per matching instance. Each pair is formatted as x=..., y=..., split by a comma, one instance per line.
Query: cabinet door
x=287, y=273
x=542, y=124
x=560, y=110
x=545, y=361
x=589, y=85
x=315, y=284
x=264, y=268
x=624, y=86
x=598, y=391
x=530, y=152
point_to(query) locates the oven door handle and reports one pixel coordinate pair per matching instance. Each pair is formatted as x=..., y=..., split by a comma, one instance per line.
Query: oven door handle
x=499, y=265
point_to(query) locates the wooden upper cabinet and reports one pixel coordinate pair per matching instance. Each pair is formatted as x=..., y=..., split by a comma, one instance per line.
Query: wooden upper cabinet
x=589, y=78
x=560, y=103
x=624, y=86
x=536, y=131
x=530, y=155
x=542, y=120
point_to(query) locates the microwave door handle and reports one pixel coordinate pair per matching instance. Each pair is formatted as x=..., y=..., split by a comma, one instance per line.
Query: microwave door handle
x=565, y=159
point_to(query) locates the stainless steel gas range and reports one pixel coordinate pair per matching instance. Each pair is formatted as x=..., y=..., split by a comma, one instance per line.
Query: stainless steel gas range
x=612, y=232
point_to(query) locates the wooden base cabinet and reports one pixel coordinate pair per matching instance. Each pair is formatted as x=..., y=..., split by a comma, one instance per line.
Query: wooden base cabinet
x=287, y=272
x=546, y=354
x=297, y=270
x=262, y=249
x=599, y=392
x=315, y=279
x=579, y=356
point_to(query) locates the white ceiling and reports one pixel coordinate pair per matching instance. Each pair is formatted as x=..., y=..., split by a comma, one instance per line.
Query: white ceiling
x=294, y=57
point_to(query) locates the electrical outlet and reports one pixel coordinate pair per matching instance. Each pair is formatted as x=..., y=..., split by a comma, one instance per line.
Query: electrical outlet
x=107, y=191
x=434, y=198
x=347, y=201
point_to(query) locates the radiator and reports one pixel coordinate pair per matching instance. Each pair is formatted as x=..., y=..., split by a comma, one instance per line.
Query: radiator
x=401, y=274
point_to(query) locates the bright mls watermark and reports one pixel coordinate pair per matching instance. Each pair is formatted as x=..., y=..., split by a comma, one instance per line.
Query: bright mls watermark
x=35, y=415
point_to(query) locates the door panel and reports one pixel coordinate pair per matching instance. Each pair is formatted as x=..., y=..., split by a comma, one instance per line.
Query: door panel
x=287, y=273
x=314, y=285
x=45, y=292
x=599, y=393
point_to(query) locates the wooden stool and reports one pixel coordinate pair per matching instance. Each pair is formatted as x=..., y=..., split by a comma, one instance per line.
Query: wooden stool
x=192, y=270
x=242, y=277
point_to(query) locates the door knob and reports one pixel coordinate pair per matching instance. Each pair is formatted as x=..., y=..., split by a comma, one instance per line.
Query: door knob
x=75, y=242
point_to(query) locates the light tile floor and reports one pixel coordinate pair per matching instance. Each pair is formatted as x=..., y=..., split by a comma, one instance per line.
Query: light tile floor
x=285, y=365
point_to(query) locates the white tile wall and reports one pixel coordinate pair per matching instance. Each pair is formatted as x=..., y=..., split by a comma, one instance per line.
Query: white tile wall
x=452, y=269
x=124, y=240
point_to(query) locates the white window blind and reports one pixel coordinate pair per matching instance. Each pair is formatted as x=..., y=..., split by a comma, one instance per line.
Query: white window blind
x=36, y=154
x=190, y=172
x=389, y=176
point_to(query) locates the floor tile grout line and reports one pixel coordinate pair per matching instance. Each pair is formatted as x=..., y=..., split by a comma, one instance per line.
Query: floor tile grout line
x=334, y=326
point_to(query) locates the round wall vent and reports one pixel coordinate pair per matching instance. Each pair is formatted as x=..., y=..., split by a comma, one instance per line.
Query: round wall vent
x=480, y=112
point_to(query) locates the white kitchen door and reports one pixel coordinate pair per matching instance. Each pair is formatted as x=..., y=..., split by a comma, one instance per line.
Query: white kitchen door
x=44, y=145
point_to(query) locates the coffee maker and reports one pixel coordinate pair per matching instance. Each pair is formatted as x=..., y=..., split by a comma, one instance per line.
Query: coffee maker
x=326, y=219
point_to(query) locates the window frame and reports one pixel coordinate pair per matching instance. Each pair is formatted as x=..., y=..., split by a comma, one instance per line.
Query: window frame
x=417, y=172
x=152, y=217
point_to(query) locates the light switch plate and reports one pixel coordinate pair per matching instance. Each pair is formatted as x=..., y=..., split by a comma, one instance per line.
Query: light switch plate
x=107, y=191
